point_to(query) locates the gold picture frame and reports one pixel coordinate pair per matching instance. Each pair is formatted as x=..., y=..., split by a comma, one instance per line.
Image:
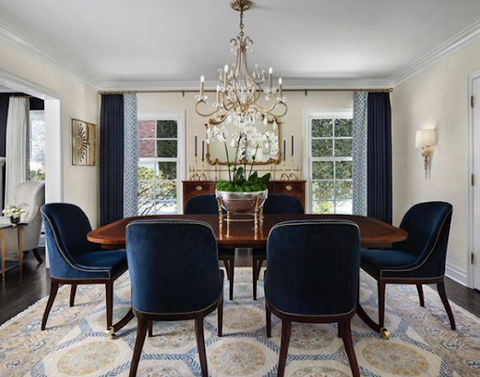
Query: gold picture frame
x=84, y=143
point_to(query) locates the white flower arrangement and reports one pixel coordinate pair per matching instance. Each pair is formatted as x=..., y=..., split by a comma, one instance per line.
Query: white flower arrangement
x=13, y=211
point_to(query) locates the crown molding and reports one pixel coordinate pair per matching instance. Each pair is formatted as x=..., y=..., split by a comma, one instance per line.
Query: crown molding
x=450, y=47
x=288, y=83
x=8, y=34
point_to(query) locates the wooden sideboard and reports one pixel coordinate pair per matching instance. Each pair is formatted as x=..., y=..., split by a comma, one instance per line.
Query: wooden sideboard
x=294, y=188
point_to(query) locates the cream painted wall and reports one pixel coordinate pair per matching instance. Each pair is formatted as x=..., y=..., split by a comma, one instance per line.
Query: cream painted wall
x=292, y=122
x=436, y=98
x=78, y=100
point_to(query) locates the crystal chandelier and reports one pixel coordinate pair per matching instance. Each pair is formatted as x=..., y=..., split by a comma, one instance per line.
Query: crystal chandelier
x=239, y=90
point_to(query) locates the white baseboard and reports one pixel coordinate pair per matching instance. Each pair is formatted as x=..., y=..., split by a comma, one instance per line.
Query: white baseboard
x=454, y=273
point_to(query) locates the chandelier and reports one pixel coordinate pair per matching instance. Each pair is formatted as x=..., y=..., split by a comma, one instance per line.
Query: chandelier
x=243, y=96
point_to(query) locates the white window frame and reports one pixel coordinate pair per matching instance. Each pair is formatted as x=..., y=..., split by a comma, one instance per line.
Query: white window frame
x=179, y=117
x=308, y=116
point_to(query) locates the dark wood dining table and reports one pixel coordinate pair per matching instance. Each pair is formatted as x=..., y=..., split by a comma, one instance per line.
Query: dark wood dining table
x=242, y=234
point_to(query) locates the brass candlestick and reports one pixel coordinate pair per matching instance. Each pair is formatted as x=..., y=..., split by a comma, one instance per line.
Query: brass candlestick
x=284, y=176
x=195, y=176
x=203, y=176
x=293, y=176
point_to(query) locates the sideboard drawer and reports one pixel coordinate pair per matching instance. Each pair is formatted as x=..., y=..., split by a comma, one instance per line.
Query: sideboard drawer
x=288, y=188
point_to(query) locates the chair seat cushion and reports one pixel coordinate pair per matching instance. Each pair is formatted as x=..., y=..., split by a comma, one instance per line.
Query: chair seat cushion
x=374, y=261
x=113, y=260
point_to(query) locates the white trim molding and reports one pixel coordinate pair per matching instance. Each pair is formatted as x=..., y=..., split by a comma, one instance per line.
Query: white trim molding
x=456, y=274
x=8, y=34
x=458, y=42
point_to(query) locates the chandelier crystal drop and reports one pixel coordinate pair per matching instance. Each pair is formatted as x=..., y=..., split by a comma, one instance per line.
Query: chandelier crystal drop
x=240, y=90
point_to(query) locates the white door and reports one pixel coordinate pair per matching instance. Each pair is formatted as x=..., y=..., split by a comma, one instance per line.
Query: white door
x=476, y=187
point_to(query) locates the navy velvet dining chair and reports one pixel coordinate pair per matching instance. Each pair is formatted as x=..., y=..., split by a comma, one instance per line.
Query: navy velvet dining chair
x=74, y=260
x=175, y=275
x=312, y=277
x=207, y=205
x=420, y=259
x=275, y=204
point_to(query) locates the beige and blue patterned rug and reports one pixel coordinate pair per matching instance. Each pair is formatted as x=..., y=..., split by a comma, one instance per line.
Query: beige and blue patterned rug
x=421, y=343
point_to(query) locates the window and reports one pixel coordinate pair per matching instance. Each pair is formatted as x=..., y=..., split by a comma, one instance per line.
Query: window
x=160, y=168
x=330, y=163
x=36, y=147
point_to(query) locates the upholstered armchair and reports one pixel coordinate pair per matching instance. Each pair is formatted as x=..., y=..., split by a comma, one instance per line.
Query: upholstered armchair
x=181, y=280
x=312, y=277
x=30, y=196
x=207, y=205
x=275, y=204
x=74, y=260
x=420, y=259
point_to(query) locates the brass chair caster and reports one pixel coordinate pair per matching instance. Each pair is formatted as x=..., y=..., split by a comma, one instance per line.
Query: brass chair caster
x=385, y=333
x=111, y=333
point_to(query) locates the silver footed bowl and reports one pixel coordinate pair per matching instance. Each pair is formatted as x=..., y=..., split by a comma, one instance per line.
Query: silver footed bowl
x=241, y=202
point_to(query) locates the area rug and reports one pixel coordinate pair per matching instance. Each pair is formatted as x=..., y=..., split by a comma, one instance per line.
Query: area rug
x=421, y=343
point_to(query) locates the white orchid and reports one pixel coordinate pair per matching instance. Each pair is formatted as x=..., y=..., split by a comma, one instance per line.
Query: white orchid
x=13, y=211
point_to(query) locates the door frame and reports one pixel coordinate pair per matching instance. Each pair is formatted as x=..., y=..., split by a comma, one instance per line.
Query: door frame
x=470, y=197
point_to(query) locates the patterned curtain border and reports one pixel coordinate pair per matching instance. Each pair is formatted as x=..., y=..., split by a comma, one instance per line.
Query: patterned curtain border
x=130, y=177
x=360, y=124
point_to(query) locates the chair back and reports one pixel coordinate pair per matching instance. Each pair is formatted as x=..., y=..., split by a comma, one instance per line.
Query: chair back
x=173, y=266
x=280, y=203
x=201, y=205
x=428, y=227
x=66, y=228
x=313, y=267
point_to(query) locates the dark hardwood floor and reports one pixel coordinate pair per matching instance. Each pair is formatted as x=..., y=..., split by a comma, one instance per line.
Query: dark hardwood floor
x=18, y=292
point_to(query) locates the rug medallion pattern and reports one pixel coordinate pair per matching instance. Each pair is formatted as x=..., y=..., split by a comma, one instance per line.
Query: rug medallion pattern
x=421, y=343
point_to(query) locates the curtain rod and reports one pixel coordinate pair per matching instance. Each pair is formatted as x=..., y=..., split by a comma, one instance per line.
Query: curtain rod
x=102, y=92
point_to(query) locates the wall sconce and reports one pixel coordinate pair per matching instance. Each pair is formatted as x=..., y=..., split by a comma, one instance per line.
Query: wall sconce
x=425, y=139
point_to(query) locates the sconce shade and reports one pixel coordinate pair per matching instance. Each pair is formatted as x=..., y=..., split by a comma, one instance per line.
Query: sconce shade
x=425, y=138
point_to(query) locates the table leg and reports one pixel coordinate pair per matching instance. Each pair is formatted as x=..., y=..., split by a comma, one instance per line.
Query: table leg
x=20, y=248
x=124, y=321
x=2, y=234
x=370, y=322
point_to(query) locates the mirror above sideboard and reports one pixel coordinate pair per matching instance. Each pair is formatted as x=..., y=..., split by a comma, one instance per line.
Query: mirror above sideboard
x=269, y=154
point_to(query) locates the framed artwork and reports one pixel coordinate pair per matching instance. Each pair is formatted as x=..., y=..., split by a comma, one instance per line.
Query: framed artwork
x=84, y=143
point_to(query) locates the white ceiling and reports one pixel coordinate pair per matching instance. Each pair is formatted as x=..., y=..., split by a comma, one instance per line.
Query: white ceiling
x=164, y=41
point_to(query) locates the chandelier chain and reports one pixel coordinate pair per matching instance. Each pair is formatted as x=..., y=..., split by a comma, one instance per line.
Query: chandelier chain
x=241, y=23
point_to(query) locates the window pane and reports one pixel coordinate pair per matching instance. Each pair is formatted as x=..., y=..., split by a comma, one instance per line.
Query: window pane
x=322, y=127
x=146, y=148
x=167, y=196
x=166, y=129
x=146, y=198
x=344, y=169
x=323, y=190
x=343, y=190
x=146, y=129
x=146, y=171
x=37, y=146
x=166, y=148
x=323, y=207
x=322, y=169
x=344, y=207
x=322, y=148
x=167, y=170
x=343, y=147
x=343, y=127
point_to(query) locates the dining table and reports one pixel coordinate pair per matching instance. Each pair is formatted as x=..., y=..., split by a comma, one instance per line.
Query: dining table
x=242, y=233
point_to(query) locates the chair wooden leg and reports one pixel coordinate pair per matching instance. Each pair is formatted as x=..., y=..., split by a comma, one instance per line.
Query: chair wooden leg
x=137, y=352
x=381, y=303
x=37, y=256
x=150, y=329
x=202, y=353
x=346, y=331
x=448, y=309
x=285, y=341
x=268, y=315
x=232, y=275
x=340, y=330
x=109, y=296
x=220, y=317
x=73, y=291
x=420, y=295
x=51, y=299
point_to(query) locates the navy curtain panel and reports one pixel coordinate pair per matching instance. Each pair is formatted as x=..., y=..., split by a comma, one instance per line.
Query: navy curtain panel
x=379, y=157
x=111, y=158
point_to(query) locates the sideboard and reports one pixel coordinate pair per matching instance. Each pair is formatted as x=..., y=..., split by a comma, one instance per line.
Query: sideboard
x=294, y=188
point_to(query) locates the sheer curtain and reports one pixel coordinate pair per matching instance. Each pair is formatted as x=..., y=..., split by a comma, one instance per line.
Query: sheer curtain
x=17, y=124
